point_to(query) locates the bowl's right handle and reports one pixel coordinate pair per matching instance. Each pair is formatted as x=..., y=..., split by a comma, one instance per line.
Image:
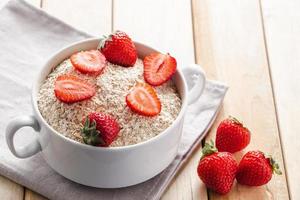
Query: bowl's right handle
x=11, y=129
x=195, y=78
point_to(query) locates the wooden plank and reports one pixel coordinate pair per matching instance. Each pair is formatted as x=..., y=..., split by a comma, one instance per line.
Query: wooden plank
x=10, y=190
x=167, y=26
x=187, y=185
x=36, y=3
x=30, y=195
x=230, y=46
x=93, y=17
x=282, y=30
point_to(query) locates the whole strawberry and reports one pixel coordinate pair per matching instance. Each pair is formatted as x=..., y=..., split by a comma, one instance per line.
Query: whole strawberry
x=217, y=169
x=255, y=169
x=119, y=49
x=99, y=129
x=232, y=136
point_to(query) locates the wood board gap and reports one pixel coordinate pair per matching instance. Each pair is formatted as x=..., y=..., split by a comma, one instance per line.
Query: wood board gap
x=24, y=193
x=193, y=31
x=112, y=16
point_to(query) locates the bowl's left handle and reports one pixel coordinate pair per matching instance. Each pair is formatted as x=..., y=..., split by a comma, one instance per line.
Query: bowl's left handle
x=11, y=129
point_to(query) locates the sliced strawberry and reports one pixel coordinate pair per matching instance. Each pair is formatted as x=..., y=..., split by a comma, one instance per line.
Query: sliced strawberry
x=143, y=100
x=69, y=89
x=159, y=68
x=89, y=62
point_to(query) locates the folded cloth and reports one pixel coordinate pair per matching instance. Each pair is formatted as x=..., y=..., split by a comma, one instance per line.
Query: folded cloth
x=28, y=36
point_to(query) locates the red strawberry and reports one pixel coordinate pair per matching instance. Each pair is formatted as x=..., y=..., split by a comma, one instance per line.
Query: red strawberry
x=255, y=169
x=99, y=129
x=217, y=169
x=69, y=89
x=88, y=62
x=232, y=136
x=159, y=68
x=119, y=49
x=143, y=100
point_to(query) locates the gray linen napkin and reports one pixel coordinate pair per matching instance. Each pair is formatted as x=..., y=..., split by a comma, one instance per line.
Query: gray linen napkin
x=28, y=37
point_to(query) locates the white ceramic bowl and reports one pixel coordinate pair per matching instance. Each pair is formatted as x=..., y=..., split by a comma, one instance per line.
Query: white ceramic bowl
x=109, y=167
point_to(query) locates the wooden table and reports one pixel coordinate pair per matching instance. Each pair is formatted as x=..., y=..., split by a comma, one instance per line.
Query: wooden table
x=251, y=45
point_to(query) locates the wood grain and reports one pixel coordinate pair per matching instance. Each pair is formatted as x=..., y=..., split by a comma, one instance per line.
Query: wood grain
x=281, y=22
x=30, y=195
x=167, y=26
x=230, y=46
x=10, y=190
x=93, y=16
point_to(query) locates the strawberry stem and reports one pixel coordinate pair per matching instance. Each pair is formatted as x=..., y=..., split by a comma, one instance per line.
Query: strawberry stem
x=275, y=166
x=103, y=41
x=90, y=134
x=209, y=148
x=235, y=120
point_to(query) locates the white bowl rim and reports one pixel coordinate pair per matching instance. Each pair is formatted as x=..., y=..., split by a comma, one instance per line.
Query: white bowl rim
x=36, y=86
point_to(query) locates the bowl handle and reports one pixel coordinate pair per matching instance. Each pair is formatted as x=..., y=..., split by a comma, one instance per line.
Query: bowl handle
x=17, y=123
x=195, y=78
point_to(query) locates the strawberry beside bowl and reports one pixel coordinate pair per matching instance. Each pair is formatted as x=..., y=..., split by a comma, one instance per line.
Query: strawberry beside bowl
x=103, y=167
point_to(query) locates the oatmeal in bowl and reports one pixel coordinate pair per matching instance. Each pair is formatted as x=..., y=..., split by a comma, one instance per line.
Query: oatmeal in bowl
x=112, y=85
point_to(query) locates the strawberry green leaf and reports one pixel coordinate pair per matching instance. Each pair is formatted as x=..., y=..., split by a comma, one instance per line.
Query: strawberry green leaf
x=275, y=166
x=209, y=148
